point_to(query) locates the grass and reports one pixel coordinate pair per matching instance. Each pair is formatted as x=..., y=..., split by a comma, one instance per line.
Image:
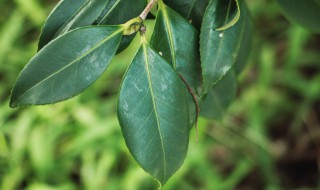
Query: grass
x=269, y=138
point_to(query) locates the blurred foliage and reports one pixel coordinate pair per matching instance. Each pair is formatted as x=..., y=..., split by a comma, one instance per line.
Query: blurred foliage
x=269, y=139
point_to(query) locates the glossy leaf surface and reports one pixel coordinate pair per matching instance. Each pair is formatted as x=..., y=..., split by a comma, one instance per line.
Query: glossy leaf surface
x=192, y=10
x=245, y=47
x=177, y=41
x=57, y=18
x=122, y=11
x=107, y=10
x=304, y=12
x=219, y=97
x=85, y=16
x=119, y=12
x=219, y=49
x=153, y=114
x=66, y=66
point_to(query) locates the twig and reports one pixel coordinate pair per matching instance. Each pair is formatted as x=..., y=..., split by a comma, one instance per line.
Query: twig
x=197, y=105
x=146, y=11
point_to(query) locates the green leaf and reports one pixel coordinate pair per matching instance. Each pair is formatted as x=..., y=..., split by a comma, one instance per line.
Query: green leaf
x=120, y=12
x=192, y=10
x=245, y=47
x=77, y=15
x=177, y=41
x=153, y=114
x=219, y=49
x=66, y=66
x=232, y=21
x=107, y=10
x=57, y=18
x=304, y=13
x=219, y=97
x=85, y=16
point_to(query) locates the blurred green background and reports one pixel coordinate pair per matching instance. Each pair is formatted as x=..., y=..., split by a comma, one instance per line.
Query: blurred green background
x=269, y=138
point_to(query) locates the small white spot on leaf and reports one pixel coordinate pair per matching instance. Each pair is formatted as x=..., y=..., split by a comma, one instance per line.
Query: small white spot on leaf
x=139, y=89
x=125, y=106
x=225, y=69
x=164, y=87
x=221, y=35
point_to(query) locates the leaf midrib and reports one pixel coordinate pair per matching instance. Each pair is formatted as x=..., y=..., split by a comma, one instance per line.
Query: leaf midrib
x=171, y=41
x=71, y=63
x=108, y=13
x=154, y=106
x=70, y=19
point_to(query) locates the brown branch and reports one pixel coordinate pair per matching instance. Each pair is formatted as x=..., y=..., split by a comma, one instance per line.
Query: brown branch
x=196, y=103
x=146, y=11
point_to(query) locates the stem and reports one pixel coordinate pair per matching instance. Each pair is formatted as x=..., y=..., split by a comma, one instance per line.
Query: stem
x=196, y=103
x=146, y=11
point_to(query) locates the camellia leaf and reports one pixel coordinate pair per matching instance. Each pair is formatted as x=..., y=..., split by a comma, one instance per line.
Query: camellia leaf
x=107, y=10
x=219, y=49
x=176, y=40
x=245, y=47
x=85, y=16
x=232, y=21
x=120, y=12
x=153, y=114
x=305, y=13
x=192, y=10
x=66, y=66
x=57, y=18
x=219, y=97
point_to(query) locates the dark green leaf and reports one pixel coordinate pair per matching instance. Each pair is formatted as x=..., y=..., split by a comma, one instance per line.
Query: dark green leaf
x=219, y=97
x=245, y=47
x=107, y=10
x=304, y=12
x=233, y=21
x=153, y=114
x=85, y=16
x=177, y=41
x=57, y=18
x=120, y=12
x=192, y=10
x=66, y=66
x=219, y=49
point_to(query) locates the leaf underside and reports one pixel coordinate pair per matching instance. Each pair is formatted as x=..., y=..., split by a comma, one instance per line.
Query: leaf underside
x=153, y=114
x=66, y=66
